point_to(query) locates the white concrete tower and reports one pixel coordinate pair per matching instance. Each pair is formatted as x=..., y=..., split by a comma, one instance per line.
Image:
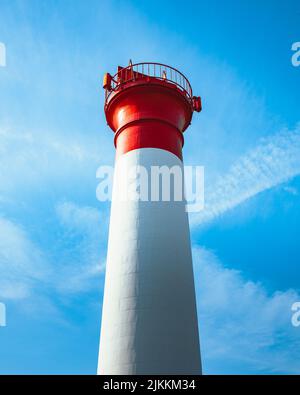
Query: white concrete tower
x=149, y=319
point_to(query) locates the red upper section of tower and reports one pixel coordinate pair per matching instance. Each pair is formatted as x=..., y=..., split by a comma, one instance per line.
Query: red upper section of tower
x=149, y=105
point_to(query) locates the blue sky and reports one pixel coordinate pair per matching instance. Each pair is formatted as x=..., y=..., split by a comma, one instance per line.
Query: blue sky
x=53, y=136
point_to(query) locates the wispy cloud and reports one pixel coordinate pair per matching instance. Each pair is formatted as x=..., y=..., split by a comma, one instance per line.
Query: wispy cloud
x=22, y=263
x=83, y=258
x=26, y=269
x=274, y=160
x=243, y=329
x=291, y=190
x=32, y=159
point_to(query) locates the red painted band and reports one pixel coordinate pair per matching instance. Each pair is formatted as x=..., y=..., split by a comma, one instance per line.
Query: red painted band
x=148, y=115
x=149, y=134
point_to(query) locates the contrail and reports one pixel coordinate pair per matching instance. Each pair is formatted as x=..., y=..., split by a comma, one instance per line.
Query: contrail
x=274, y=160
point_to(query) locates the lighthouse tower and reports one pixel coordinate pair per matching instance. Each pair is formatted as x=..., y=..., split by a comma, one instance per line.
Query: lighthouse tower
x=149, y=319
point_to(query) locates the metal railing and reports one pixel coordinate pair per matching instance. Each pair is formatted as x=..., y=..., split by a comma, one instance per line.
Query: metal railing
x=146, y=71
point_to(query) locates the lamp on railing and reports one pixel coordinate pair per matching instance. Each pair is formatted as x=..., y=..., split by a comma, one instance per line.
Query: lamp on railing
x=107, y=81
x=197, y=104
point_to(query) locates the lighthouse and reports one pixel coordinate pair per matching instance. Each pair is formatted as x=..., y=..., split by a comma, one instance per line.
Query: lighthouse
x=149, y=317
